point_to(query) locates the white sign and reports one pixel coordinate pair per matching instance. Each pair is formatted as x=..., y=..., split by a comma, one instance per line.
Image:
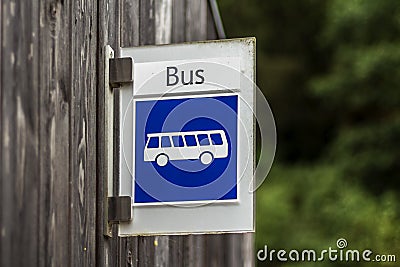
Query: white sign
x=187, y=138
x=186, y=75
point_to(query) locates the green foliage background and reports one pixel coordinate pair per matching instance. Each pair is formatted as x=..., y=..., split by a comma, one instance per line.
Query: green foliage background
x=331, y=72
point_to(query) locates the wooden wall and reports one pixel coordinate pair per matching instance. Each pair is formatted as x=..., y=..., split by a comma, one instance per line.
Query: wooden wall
x=51, y=133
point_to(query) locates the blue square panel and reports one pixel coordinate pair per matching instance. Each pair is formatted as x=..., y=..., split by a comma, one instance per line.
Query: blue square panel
x=185, y=149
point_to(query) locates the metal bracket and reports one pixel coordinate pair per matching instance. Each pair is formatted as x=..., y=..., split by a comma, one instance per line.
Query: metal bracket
x=120, y=71
x=108, y=139
x=116, y=72
x=119, y=209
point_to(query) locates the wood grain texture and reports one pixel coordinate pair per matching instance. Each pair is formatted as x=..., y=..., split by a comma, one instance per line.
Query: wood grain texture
x=163, y=21
x=83, y=133
x=146, y=22
x=52, y=133
x=128, y=254
x=130, y=13
x=49, y=140
x=108, y=34
x=19, y=172
x=55, y=95
x=178, y=21
x=196, y=20
x=194, y=251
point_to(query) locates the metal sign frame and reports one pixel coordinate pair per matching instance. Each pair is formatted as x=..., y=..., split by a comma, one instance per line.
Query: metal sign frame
x=214, y=217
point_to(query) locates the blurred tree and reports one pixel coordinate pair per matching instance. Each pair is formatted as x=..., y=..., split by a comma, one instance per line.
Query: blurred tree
x=362, y=88
x=288, y=53
x=348, y=54
x=331, y=71
x=312, y=207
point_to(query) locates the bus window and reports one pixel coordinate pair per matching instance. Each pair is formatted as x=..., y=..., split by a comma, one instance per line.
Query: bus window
x=203, y=140
x=216, y=139
x=190, y=140
x=153, y=142
x=165, y=141
x=178, y=141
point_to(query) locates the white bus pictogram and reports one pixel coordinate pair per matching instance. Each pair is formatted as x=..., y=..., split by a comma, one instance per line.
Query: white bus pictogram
x=203, y=145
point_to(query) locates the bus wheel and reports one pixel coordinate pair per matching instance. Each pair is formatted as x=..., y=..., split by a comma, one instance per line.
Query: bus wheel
x=206, y=158
x=162, y=160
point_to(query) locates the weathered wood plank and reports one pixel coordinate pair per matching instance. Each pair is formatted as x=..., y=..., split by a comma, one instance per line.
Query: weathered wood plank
x=54, y=133
x=146, y=251
x=146, y=244
x=130, y=13
x=146, y=22
x=163, y=21
x=51, y=151
x=162, y=250
x=128, y=252
x=129, y=23
x=178, y=21
x=108, y=14
x=196, y=20
x=247, y=247
x=83, y=133
x=19, y=148
x=194, y=251
x=214, y=250
x=176, y=251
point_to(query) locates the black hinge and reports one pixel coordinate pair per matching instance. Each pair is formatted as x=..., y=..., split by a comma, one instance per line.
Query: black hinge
x=119, y=209
x=120, y=71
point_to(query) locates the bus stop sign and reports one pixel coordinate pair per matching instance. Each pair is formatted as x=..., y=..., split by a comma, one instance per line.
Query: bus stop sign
x=184, y=152
x=186, y=138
